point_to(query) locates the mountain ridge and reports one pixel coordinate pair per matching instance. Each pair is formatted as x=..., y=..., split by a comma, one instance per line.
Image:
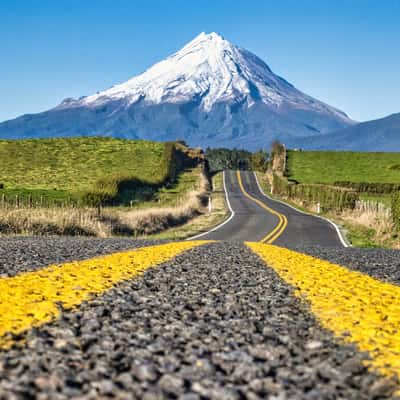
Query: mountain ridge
x=382, y=134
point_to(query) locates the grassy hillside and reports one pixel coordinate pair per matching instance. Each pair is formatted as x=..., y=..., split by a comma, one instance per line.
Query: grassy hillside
x=70, y=165
x=329, y=166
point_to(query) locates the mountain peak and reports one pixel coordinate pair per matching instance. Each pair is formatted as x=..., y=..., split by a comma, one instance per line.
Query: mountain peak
x=209, y=70
x=208, y=37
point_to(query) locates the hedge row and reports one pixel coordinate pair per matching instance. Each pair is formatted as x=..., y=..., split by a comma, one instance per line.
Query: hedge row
x=110, y=190
x=172, y=163
x=369, y=187
x=329, y=197
x=396, y=210
x=280, y=185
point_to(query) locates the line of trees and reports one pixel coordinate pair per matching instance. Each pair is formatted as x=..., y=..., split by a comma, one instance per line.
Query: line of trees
x=223, y=158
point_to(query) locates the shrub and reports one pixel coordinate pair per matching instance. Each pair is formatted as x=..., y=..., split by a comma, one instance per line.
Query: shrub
x=259, y=161
x=1, y=185
x=395, y=167
x=277, y=148
x=396, y=210
x=329, y=197
x=278, y=158
x=110, y=190
x=280, y=185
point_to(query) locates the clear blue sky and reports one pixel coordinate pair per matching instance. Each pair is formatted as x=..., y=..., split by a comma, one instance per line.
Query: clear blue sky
x=344, y=52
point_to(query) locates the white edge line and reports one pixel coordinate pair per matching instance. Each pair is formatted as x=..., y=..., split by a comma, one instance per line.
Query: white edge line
x=339, y=233
x=223, y=223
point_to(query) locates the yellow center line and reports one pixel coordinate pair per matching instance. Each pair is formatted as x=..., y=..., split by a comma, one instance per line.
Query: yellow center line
x=354, y=306
x=282, y=220
x=32, y=299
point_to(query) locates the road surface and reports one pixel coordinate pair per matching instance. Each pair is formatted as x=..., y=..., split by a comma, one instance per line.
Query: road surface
x=229, y=317
x=259, y=218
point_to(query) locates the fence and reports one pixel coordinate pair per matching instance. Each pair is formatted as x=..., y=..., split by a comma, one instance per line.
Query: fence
x=30, y=201
x=370, y=206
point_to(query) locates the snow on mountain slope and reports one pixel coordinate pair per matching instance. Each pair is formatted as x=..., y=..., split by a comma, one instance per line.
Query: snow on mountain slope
x=215, y=70
x=210, y=92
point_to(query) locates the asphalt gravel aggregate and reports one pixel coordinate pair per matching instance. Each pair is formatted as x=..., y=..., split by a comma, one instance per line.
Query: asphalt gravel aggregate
x=21, y=254
x=214, y=323
x=382, y=264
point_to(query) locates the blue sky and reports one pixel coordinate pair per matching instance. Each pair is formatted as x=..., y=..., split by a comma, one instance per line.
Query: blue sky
x=343, y=52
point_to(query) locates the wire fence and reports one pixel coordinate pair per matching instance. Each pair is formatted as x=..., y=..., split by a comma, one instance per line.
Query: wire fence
x=29, y=201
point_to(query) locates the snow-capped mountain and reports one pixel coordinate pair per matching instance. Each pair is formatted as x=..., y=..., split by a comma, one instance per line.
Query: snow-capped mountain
x=210, y=93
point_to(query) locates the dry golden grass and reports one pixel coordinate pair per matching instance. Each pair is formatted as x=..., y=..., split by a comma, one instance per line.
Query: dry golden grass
x=205, y=221
x=154, y=220
x=381, y=221
x=376, y=225
x=87, y=222
x=51, y=221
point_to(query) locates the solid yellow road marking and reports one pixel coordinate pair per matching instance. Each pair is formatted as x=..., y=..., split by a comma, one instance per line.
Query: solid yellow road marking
x=282, y=220
x=279, y=232
x=361, y=309
x=32, y=299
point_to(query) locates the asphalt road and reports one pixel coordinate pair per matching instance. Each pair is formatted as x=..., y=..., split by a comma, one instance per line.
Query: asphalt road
x=252, y=222
x=212, y=323
x=127, y=319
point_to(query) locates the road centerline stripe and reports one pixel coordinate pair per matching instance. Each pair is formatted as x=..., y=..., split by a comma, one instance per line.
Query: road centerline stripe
x=282, y=220
x=356, y=307
x=32, y=299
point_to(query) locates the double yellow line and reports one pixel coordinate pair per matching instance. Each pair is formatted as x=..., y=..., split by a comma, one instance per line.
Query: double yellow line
x=282, y=220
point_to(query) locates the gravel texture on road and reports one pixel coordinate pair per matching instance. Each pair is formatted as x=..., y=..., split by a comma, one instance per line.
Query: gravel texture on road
x=383, y=264
x=21, y=254
x=215, y=323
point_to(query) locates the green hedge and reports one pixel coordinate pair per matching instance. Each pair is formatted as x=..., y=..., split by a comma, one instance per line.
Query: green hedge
x=170, y=165
x=280, y=185
x=115, y=190
x=112, y=190
x=370, y=187
x=396, y=210
x=329, y=197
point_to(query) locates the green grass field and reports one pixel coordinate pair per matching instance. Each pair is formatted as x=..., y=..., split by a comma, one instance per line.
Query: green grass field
x=57, y=168
x=329, y=166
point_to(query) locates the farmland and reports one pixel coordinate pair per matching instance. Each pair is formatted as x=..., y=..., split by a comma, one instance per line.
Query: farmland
x=328, y=167
x=98, y=186
x=60, y=166
x=373, y=177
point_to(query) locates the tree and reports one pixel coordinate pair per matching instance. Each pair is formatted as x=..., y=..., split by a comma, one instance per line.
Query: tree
x=259, y=161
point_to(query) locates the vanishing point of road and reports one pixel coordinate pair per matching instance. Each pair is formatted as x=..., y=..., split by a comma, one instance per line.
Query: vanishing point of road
x=269, y=305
